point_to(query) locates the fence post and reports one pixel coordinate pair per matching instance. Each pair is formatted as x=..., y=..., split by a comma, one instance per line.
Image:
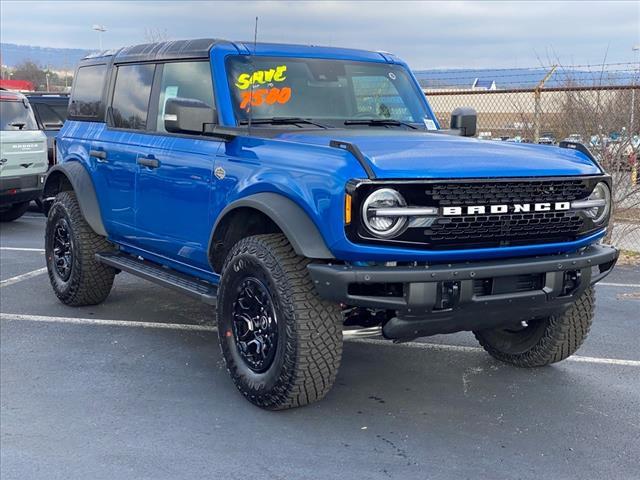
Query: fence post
x=537, y=109
x=536, y=115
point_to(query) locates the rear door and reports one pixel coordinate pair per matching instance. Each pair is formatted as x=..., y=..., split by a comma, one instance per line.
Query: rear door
x=116, y=148
x=175, y=176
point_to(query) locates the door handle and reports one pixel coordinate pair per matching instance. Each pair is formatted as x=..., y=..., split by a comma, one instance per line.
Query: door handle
x=99, y=155
x=149, y=162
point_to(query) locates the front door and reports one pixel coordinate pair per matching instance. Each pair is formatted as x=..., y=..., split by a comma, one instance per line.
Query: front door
x=175, y=173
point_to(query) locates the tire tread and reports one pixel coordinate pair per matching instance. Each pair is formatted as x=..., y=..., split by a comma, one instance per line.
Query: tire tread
x=563, y=336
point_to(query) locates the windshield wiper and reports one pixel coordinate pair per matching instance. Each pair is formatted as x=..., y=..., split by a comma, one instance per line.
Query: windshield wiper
x=282, y=121
x=380, y=121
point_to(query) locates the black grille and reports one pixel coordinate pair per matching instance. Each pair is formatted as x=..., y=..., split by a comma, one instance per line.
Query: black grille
x=507, y=229
x=445, y=194
x=488, y=230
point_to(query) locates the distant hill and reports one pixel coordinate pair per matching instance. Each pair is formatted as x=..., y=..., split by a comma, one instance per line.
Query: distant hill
x=54, y=58
x=526, y=77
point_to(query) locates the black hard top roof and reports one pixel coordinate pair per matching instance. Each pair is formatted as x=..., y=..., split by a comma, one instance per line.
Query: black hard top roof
x=178, y=49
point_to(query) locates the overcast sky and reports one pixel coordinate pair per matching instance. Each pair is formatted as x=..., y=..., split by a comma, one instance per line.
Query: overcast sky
x=426, y=34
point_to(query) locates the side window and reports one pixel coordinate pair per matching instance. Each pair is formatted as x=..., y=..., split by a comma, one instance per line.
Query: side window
x=185, y=80
x=378, y=96
x=131, y=94
x=86, y=98
x=50, y=118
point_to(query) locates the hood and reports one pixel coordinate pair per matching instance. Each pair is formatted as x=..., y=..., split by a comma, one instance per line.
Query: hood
x=406, y=154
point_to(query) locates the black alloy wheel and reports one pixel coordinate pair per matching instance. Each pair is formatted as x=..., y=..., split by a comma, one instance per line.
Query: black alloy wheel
x=255, y=325
x=62, y=249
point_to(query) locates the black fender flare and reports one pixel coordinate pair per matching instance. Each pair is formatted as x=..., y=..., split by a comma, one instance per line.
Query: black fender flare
x=80, y=181
x=290, y=218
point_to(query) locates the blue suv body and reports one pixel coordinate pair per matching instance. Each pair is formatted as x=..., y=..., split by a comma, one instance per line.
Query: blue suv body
x=305, y=188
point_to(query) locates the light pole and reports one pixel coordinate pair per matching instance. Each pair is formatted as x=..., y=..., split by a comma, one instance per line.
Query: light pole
x=635, y=48
x=100, y=29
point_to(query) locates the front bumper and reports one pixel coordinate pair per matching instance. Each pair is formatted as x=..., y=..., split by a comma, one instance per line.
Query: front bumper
x=21, y=188
x=435, y=299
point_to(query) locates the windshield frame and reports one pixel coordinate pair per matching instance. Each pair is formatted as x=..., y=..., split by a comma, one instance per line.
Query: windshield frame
x=418, y=103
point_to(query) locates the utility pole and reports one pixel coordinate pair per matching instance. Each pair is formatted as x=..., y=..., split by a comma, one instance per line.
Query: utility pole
x=536, y=106
x=100, y=29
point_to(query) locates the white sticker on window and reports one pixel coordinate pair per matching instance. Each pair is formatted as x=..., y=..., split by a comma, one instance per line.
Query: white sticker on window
x=430, y=124
x=169, y=92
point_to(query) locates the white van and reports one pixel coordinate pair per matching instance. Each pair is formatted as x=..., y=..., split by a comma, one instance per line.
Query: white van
x=23, y=156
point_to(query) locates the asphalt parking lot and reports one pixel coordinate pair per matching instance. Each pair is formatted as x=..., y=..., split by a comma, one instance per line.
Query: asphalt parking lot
x=136, y=388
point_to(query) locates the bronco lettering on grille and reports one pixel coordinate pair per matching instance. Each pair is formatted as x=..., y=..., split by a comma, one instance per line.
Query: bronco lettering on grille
x=498, y=209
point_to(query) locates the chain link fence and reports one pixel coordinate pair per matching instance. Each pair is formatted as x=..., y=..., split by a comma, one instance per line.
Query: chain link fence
x=605, y=118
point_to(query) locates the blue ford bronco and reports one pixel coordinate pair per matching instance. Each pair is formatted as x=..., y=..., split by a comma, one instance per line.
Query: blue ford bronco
x=302, y=189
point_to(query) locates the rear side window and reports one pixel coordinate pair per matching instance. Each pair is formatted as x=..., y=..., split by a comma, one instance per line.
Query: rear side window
x=86, y=98
x=51, y=118
x=185, y=80
x=16, y=115
x=130, y=104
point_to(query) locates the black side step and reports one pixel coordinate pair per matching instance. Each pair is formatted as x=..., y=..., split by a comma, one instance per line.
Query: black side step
x=161, y=275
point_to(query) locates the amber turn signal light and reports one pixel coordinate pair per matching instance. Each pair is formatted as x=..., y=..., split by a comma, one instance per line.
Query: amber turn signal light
x=347, y=209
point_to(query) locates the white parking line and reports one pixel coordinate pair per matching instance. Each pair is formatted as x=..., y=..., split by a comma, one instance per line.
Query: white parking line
x=207, y=328
x=108, y=323
x=24, y=276
x=460, y=348
x=21, y=249
x=627, y=285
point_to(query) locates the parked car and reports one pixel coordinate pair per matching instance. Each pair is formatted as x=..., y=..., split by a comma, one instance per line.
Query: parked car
x=50, y=110
x=23, y=156
x=302, y=188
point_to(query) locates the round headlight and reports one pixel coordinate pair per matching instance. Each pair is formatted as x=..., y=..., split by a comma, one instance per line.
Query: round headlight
x=600, y=214
x=381, y=226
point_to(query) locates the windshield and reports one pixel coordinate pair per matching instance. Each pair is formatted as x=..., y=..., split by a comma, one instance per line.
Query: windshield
x=330, y=91
x=16, y=115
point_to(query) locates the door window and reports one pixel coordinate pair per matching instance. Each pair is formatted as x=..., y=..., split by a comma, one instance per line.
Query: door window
x=185, y=80
x=51, y=119
x=86, y=97
x=131, y=94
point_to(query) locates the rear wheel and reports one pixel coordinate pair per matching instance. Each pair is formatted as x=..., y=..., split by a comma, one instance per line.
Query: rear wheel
x=14, y=212
x=281, y=342
x=70, y=246
x=543, y=341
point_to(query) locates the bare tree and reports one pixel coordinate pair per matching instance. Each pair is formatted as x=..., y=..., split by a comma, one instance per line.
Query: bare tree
x=154, y=35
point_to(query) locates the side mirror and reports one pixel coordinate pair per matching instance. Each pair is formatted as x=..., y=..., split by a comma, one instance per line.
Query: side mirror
x=464, y=119
x=187, y=115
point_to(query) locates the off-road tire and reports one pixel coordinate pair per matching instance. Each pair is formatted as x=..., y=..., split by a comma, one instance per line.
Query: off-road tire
x=309, y=347
x=551, y=339
x=90, y=281
x=14, y=212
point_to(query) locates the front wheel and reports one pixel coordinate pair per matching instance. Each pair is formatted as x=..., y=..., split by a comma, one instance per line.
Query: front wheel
x=543, y=341
x=281, y=342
